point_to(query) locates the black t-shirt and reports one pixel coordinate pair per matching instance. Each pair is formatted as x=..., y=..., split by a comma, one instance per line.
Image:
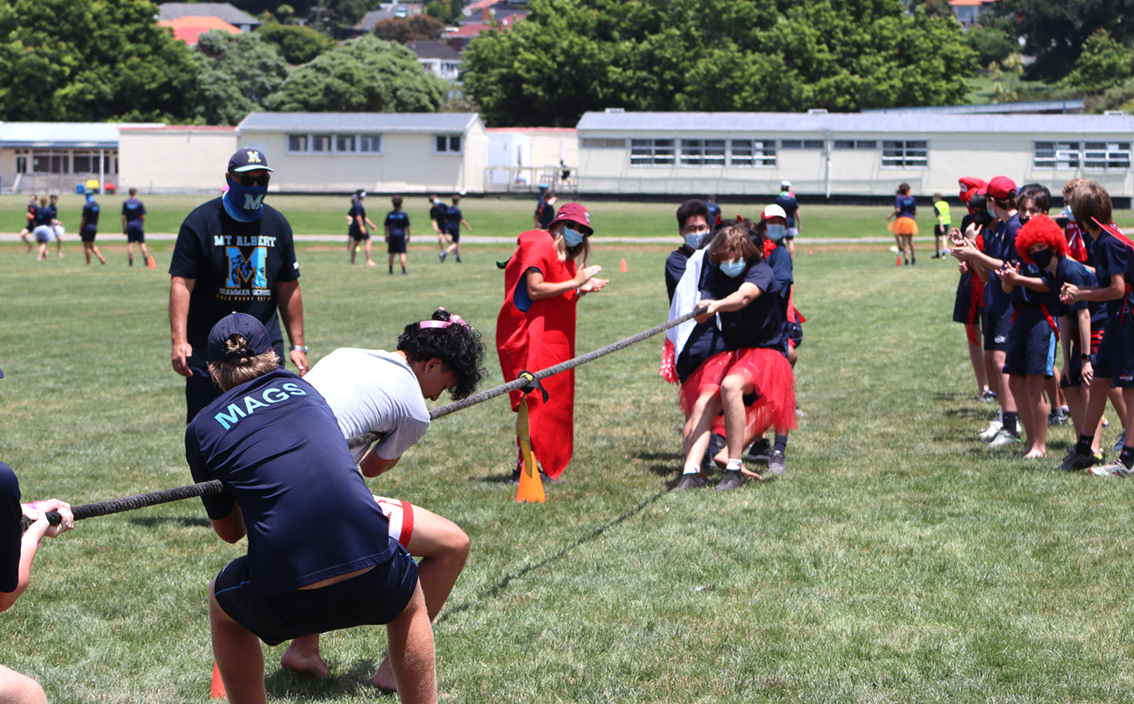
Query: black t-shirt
x=790, y=205
x=438, y=214
x=90, y=212
x=398, y=222
x=1112, y=258
x=453, y=220
x=276, y=445
x=356, y=212
x=236, y=266
x=30, y=221
x=44, y=215
x=761, y=322
x=11, y=534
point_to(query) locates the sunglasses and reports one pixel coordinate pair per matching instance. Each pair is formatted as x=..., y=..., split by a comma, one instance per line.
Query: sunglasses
x=245, y=180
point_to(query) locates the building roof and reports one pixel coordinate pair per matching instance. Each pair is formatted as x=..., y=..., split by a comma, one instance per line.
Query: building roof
x=339, y=122
x=873, y=123
x=1065, y=107
x=977, y=3
x=188, y=28
x=223, y=10
x=434, y=50
x=102, y=135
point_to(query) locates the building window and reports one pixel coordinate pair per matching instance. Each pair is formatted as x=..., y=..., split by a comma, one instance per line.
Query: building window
x=651, y=152
x=595, y=143
x=370, y=143
x=702, y=152
x=856, y=144
x=321, y=143
x=1106, y=155
x=753, y=152
x=801, y=144
x=21, y=164
x=1056, y=155
x=447, y=144
x=905, y=155
x=297, y=143
x=344, y=143
x=334, y=144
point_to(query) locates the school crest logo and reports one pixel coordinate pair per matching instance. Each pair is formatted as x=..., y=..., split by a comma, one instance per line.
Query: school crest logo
x=250, y=271
x=252, y=202
x=253, y=157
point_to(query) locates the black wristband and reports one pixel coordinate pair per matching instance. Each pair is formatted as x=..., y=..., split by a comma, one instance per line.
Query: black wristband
x=1084, y=356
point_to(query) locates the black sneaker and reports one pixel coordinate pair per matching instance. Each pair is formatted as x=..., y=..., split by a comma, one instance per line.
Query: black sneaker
x=458, y=258
x=776, y=464
x=690, y=481
x=733, y=479
x=548, y=480
x=1076, y=461
x=760, y=451
x=403, y=271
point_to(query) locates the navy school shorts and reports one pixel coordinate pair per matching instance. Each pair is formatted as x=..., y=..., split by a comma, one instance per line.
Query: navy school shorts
x=996, y=327
x=373, y=598
x=396, y=245
x=455, y=235
x=135, y=234
x=1074, y=376
x=1115, y=359
x=1031, y=346
x=88, y=233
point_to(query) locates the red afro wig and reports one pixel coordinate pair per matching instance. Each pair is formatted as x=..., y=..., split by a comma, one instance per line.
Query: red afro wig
x=1040, y=230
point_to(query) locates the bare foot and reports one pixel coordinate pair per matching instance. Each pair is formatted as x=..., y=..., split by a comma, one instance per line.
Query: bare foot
x=721, y=458
x=751, y=475
x=384, y=677
x=1035, y=455
x=304, y=663
x=371, y=264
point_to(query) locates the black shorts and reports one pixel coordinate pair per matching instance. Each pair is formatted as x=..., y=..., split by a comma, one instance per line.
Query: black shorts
x=396, y=244
x=1031, y=346
x=940, y=230
x=88, y=233
x=455, y=235
x=376, y=598
x=1074, y=376
x=1115, y=359
x=996, y=327
x=963, y=303
x=135, y=233
x=358, y=235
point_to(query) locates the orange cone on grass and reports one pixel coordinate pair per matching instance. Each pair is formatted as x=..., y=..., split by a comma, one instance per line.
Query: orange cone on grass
x=151, y=262
x=899, y=261
x=622, y=266
x=218, y=684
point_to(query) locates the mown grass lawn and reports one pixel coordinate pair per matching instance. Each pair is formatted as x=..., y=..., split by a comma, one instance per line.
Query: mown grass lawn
x=897, y=561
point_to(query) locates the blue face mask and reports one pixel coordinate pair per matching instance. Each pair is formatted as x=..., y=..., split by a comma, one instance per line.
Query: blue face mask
x=573, y=238
x=733, y=268
x=776, y=232
x=1067, y=213
x=988, y=207
x=694, y=239
x=244, y=203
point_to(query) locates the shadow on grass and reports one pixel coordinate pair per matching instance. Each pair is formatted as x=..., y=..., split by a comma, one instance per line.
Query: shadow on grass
x=356, y=682
x=187, y=521
x=971, y=413
x=501, y=586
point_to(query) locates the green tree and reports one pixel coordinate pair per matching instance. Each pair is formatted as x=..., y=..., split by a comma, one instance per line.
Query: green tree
x=1103, y=65
x=90, y=61
x=570, y=56
x=238, y=71
x=362, y=75
x=405, y=29
x=297, y=44
x=991, y=44
x=1006, y=79
x=1056, y=30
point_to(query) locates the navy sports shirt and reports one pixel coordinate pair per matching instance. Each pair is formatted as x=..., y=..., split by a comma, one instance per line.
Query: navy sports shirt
x=357, y=211
x=11, y=533
x=133, y=210
x=1112, y=257
x=398, y=222
x=1000, y=244
x=788, y=202
x=545, y=213
x=675, y=266
x=1072, y=272
x=761, y=322
x=236, y=266
x=276, y=445
x=90, y=212
x=453, y=220
x=44, y=215
x=906, y=206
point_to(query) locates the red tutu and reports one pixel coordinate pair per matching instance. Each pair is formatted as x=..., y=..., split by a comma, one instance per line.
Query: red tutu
x=771, y=377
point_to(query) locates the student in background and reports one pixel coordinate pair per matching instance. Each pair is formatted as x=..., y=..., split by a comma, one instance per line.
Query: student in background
x=943, y=225
x=904, y=226
x=545, y=210
x=134, y=226
x=88, y=229
x=786, y=200
x=359, y=234
x=437, y=216
x=453, y=222
x=397, y=233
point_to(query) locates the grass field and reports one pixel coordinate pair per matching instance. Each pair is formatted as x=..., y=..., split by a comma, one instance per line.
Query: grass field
x=493, y=217
x=898, y=561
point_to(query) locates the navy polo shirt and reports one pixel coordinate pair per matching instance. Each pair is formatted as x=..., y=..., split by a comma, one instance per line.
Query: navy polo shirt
x=760, y=323
x=675, y=268
x=906, y=206
x=133, y=209
x=276, y=445
x=44, y=215
x=1113, y=257
x=1000, y=244
x=357, y=211
x=790, y=205
x=453, y=220
x=398, y=222
x=1072, y=272
x=90, y=212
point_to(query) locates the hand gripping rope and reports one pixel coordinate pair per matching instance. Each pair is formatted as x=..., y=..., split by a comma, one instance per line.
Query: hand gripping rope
x=525, y=381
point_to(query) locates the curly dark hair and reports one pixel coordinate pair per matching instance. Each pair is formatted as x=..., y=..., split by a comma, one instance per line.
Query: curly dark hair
x=458, y=346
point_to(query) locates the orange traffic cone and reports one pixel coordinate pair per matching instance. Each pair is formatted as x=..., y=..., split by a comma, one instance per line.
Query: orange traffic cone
x=622, y=266
x=899, y=261
x=151, y=262
x=531, y=486
x=218, y=684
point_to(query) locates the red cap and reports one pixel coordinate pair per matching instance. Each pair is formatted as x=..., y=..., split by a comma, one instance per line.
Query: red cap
x=970, y=185
x=576, y=213
x=999, y=187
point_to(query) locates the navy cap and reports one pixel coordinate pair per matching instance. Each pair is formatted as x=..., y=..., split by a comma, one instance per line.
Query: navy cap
x=251, y=329
x=1, y=373
x=248, y=159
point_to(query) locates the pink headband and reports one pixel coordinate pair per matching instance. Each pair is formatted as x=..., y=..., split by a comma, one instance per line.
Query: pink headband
x=453, y=318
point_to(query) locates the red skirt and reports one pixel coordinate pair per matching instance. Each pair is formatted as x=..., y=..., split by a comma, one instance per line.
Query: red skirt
x=771, y=377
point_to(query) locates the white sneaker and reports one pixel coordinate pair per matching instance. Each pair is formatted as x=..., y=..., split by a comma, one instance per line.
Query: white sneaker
x=1003, y=438
x=1114, y=469
x=992, y=429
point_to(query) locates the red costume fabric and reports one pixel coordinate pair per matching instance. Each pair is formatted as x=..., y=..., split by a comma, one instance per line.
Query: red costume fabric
x=537, y=338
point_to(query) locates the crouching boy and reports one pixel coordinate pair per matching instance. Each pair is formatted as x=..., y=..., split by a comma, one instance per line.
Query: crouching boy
x=320, y=557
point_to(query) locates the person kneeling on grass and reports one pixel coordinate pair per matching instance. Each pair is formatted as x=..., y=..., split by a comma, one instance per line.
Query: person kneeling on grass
x=320, y=555
x=385, y=392
x=740, y=286
x=16, y=554
x=1030, y=358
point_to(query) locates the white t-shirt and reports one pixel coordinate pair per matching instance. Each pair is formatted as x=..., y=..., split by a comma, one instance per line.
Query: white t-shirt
x=373, y=390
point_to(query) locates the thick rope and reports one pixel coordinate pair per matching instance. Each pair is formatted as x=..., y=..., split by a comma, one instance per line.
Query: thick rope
x=130, y=503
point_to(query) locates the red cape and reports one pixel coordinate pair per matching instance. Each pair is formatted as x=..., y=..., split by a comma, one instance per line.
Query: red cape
x=538, y=338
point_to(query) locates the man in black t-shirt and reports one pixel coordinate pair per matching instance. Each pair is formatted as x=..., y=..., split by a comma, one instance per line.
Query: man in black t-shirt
x=88, y=229
x=233, y=254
